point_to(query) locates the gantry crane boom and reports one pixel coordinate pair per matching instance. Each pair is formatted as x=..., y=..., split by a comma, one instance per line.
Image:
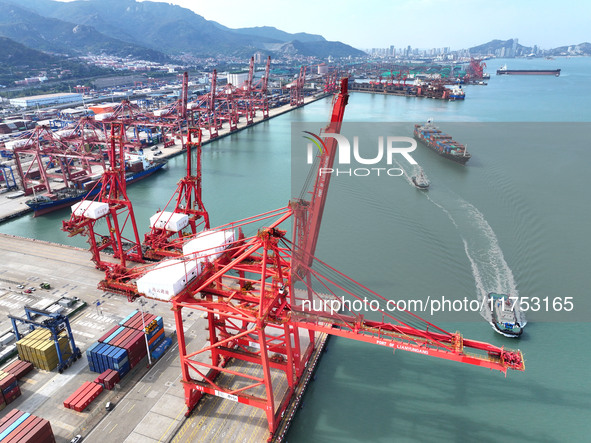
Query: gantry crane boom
x=253, y=292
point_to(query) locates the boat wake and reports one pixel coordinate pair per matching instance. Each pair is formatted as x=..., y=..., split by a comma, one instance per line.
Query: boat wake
x=489, y=267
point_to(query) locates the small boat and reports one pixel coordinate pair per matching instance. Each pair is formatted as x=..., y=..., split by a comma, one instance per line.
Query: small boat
x=457, y=93
x=420, y=180
x=507, y=318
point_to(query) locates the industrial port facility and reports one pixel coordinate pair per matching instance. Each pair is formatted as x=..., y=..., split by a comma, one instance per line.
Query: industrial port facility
x=187, y=329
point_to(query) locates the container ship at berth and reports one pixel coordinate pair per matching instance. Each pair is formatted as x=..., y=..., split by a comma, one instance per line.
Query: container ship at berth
x=504, y=71
x=441, y=143
x=61, y=198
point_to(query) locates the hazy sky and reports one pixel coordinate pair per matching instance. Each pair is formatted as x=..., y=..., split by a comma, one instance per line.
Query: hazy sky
x=419, y=23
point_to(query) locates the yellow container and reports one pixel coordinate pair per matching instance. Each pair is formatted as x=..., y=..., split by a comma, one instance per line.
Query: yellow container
x=38, y=348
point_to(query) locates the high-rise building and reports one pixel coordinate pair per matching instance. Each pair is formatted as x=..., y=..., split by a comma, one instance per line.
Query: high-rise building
x=514, y=47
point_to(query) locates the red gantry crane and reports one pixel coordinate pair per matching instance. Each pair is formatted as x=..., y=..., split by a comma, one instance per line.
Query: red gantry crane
x=475, y=69
x=112, y=205
x=188, y=209
x=257, y=288
x=296, y=91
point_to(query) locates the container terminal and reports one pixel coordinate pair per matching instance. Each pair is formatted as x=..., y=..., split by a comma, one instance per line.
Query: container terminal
x=237, y=339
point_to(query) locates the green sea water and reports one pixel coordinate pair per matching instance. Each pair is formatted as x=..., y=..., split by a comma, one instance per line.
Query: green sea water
x=516, y=215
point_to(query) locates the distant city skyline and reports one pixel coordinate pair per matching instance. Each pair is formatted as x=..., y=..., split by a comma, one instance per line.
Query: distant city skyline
x=420, y=23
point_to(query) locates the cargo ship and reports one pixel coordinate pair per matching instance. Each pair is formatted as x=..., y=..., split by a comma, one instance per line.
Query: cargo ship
x=457, y=93
x=504, y=71
x=441, y=143
x=61, y=198
x=506, y=317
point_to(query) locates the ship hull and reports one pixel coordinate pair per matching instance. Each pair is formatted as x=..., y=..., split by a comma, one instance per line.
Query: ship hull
x=54, y=205
x=555, y=72
x=418, y=185
x=461, y=159
x=506, y=317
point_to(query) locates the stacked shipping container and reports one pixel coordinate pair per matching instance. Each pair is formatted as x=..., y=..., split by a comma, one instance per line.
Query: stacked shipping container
x=22, y=427
x=124, y=346
x=83, y=396
x=9, y=389
x=18, y=368
x=108, y=379
x=154, y=327
x=39, y=348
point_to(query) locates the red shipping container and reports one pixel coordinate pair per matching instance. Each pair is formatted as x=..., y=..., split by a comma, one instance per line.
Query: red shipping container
x=72, y=397
x=132, y=320
x=41, y=434
x=19, y=368
x=137, y=323
x=111, y=380
x=12, y=395
x=87, y=388
x=10, y=418
x=121, y=338
x=21, y=430
x=104, y=337
x=88, y=398
x=155, y=336
x=81, y=391
x=114, y=377
x=6, y=381
x=83, y=404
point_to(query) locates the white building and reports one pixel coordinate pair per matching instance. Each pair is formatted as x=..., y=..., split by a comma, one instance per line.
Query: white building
x=237, y=78
x=46, y=100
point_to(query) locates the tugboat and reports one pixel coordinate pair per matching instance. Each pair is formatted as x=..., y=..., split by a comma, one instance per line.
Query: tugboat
x=441, y=143
x=420, y=180
x=507, y=318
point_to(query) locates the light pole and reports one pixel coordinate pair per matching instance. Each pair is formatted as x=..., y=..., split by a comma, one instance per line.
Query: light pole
x=142, y=303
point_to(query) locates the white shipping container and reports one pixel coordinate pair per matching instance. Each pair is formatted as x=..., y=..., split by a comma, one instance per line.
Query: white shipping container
x=168, y=278
x=161, y=112
x=171, y=221
x=15, y=144
x=7, y=339
x=209, y=244
x=102, y=116
x=62, y=133
x=90, y=209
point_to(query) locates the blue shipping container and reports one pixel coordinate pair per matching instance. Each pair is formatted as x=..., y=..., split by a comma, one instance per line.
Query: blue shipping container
x=161, y=348
x=155, y=331
x=14, y=425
